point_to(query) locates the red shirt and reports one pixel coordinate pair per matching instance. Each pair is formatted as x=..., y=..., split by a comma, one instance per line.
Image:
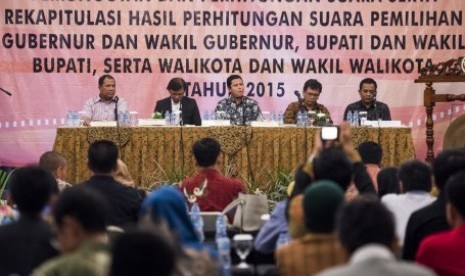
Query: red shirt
x=220, y=190
x=444, y=252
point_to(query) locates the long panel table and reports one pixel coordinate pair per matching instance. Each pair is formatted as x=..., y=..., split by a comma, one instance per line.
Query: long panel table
x=159, y=154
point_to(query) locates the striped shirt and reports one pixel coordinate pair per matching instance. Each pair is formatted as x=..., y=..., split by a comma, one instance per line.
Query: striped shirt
x=98, y=110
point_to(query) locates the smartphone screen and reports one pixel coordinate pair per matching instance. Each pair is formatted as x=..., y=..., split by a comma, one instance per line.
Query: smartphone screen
x=329, y=133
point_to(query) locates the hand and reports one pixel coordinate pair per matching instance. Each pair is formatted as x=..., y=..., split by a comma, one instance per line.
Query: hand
x=86, y=121
x=345, y=139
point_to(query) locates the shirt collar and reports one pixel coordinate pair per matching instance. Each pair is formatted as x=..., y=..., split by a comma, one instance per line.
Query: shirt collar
x=371, y=251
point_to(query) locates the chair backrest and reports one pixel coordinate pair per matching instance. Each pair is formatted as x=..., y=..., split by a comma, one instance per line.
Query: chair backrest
x=209, y=220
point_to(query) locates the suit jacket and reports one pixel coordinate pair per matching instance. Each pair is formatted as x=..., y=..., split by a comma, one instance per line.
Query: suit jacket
x=190, y=111
x=24, y=245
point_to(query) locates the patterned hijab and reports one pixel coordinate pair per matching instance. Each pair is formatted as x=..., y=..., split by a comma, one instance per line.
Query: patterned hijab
x=168, y=204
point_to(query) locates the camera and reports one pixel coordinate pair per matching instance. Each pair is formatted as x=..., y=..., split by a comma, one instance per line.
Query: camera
x=329, y=133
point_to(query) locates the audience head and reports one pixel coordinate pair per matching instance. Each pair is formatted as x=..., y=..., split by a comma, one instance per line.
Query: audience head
x=53, y=162
x=415, y=175
x=122, y=174
x=321, y=201
x=447, y=163
x=79, y=214
x=367, y=90
x=455, y=194
x=107, y=87
x=177, y=87
x=365, y=220
x=142, y=253
x=31, y=188
x=206, y=152
x=167, y=205
x=102, y=157
x=388, y=181
x=332, y=164
x=370, y=152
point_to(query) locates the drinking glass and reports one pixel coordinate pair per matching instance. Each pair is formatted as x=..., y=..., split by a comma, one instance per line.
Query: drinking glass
x=311, y=117
x=243, y=244
x=363, y=116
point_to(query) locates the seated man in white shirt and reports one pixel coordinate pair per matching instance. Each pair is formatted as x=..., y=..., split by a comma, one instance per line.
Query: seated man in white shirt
x=415, y=181
x=105, y=106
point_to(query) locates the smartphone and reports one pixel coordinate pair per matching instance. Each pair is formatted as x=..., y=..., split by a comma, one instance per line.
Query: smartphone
x=329, y=133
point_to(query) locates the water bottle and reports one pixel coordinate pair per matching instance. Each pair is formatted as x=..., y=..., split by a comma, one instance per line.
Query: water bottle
x=206, y=115
x=174, y=119
x=75, y=116
x=350, y=118
x=221, y=226
x=69, y=119
x=280, y=118
x=167, y=118
x=355, y=118
x=272, y=117
x=197, y=221
x=283, y=239
x=213, y=116
x=224, y=255
x=299, y=118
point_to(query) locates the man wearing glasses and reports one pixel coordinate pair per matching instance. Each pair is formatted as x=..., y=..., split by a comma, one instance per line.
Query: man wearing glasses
x=177, y=101
x=376, y=110
x=312, y=90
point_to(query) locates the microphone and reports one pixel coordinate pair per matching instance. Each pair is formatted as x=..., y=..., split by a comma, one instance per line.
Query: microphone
x=299, y=97
x=6, y=92
x=116, y=99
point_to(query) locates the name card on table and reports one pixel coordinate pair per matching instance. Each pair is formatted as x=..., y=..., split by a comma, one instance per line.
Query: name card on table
x=103, y=123
x=216, y=123
x=265, y=124
x=152, y=122
x=380, y=123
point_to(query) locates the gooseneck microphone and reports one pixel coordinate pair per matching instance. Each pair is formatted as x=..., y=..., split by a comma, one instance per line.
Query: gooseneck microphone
x=6, y=92
x=301, y=101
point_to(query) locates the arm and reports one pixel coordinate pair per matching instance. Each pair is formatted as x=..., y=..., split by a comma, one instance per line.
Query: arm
x=265, y=241
x=345, y=113
x=387, y=114
x=196, y=114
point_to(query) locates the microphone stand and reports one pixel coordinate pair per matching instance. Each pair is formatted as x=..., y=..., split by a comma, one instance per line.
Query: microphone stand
x=118, y=134
x=6, y=92
x=181, y=139
x=303, y=112
x=375, y=107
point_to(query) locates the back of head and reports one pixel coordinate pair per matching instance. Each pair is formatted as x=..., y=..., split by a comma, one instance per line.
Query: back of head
x=455, y=192
x=206, y=151
x=51, y=161
x=363, y=221
x=177, y=84
x=388, y=181
x=370, y=152
x=332, y=164
x=314, y=85
x=415, y=176
x=231, y=78
x=447, y=163
x=84, y=205
x=321, y=201
x=142, y=253
x=102, y=156
x=31, y=188
x=368, y=81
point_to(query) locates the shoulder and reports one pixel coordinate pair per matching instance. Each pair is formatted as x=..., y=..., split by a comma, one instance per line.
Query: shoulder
x=293, y=104
x=407, y=268
x=250, y=100
x=390, y=198
x=335, y=271
x=321, y=107
x=354, y=104
x=381, y=104
x=164, y=100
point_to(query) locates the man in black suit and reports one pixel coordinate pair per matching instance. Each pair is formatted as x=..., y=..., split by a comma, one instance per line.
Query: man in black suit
x=177, y=101
x=27, y=243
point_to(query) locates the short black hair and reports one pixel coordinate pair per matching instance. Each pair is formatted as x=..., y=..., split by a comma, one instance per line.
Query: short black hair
x=101, y=80
x=371, y=152
x=51, y=161
x=368, y=81
x=301, y=181
x=142, y=253
x=176, y=84
x=362, y=221
x=415, y=176
x=333, y=164
x=388, y=181
x=313, y=84
x=87, y=206
x=447, y=163
x=31, y=188
x=206, y=151
x=102, y=156
x=231, y=78
x=455, y=192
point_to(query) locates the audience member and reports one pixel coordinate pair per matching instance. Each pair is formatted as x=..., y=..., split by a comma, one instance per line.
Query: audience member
x=142, y=254
x=311, y=91
x=166, y=209
x=432, y=218
x=122, y=174
x=445, y=252
x=366, y=231
x=27, y=243
x=178, y=101
x=56, y=164
x=368, y=102
x=239, y=109
x=416, y=181
x=371, y=154
x=104, y=106
x=80, y=221
x=388, y=181
x=215, y=190
x=318, y=249
x=124, y=201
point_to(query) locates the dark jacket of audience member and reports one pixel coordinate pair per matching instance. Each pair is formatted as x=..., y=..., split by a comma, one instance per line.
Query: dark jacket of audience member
x=26, y=243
